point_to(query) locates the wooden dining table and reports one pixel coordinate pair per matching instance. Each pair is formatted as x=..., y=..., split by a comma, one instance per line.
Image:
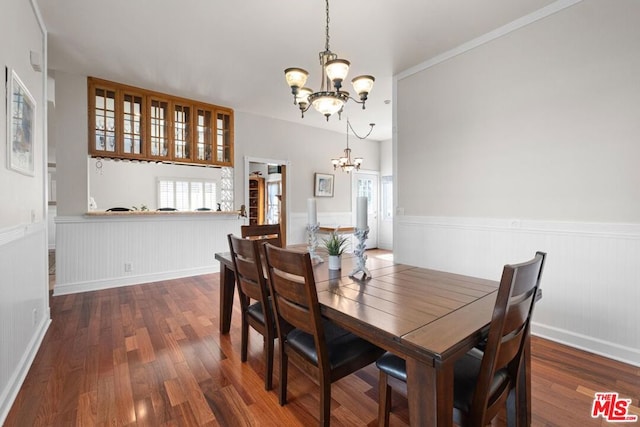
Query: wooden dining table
x=428, y=317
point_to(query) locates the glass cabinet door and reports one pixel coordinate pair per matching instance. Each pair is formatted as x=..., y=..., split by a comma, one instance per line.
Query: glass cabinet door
x=132, y=107
x=204, y=140
x=159, y=128
x=104, y=121
x=181, y=132
x=224, y=154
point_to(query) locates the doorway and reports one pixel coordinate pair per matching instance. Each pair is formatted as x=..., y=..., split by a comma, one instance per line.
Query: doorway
x=365, y=184
x=275, y=201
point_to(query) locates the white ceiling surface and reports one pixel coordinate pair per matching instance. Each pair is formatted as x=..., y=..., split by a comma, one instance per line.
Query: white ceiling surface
x=233, y=53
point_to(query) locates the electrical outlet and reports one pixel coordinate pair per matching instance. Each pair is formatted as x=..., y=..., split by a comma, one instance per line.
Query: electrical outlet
x=128, y=268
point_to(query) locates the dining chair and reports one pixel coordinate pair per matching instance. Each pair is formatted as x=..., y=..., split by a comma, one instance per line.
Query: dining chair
x=263, y=231
x=166, y=209
x=321, y=349
x=252, y=286
x=485, y=381
x=118, y=209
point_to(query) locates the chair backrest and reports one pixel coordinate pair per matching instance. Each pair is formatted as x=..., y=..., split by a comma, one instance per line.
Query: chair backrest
x=118, y=209
x=249, y=271
x=508, y=332
x=264, y=231
x=166, y=209
x=294, y=295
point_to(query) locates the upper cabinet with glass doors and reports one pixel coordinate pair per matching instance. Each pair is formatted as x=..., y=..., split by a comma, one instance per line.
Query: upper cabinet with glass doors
x=131, y=123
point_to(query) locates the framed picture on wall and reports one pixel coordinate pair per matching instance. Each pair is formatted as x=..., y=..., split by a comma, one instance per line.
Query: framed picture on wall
x=21, y=120
x=324, y=185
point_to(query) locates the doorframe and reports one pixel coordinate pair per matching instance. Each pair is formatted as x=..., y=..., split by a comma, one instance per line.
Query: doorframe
x=285, y=202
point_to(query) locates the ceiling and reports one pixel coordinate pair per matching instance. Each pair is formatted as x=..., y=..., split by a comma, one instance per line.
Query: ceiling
x=233, y=53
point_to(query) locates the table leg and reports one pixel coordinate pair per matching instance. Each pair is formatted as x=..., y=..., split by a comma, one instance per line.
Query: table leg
x=429, y=394
x=227, y=288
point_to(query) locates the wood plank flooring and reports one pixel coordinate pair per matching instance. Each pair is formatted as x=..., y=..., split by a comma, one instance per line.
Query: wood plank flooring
x=152, y=355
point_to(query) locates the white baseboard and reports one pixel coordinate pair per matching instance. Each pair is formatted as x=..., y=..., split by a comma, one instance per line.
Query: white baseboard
x=116, y=282
x=10, y=393
x=606, y=349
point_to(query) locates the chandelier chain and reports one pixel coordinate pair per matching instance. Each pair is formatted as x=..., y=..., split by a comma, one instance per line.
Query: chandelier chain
x=326, y=47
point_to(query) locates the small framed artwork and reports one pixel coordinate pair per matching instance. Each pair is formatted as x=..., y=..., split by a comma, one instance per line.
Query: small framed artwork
x=21, y=121
x=324, y=185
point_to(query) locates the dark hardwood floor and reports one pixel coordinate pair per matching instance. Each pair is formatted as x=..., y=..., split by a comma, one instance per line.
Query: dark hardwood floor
x=152, y=355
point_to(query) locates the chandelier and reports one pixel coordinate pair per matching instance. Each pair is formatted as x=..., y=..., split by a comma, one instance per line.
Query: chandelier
x=330, y=98
x=345, y=162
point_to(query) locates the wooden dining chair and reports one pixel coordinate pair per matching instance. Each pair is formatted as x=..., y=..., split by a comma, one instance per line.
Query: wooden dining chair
x=263, y=231
x=252, y=286
x=321, y=349
x=485, y=381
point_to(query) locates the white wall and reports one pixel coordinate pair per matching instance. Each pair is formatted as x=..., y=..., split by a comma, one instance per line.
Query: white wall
x=70, y=123
x=308, y=150
x=24, y=303
x=530, y=142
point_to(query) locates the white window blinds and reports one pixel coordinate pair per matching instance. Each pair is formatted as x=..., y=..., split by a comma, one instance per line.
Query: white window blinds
x=186, y=194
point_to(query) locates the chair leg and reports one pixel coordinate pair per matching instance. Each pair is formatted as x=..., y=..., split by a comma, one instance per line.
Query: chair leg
x=384, y=397
x=325, y=402
x=283, y=376
x=244, y=338
x=268, y=351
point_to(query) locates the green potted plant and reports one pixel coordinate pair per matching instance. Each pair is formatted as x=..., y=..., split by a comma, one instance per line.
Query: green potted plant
x=335, y=245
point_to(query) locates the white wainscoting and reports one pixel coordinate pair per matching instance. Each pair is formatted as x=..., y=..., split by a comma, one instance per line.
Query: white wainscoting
x=591, y=282
x=103, y=252
x=24, y=305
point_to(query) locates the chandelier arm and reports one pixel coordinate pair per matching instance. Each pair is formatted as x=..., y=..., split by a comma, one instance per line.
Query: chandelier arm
x=354, y=132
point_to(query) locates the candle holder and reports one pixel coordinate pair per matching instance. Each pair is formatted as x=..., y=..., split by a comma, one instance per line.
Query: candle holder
x=361, y=259
x=312, y=242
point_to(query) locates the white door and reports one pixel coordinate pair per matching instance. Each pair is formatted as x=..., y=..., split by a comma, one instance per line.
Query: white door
x=366, y=184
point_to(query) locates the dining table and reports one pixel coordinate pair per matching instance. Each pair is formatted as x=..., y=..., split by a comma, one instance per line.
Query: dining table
x=428, y=317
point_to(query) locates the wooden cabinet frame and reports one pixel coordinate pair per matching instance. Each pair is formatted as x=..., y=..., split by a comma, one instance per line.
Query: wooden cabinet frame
x=106, y=140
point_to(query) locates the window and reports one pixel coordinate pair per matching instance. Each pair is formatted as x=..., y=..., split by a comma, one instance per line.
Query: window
x=186, y=194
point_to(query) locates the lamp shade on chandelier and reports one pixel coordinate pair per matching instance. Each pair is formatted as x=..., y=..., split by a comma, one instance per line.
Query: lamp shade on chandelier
x=330, y=98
